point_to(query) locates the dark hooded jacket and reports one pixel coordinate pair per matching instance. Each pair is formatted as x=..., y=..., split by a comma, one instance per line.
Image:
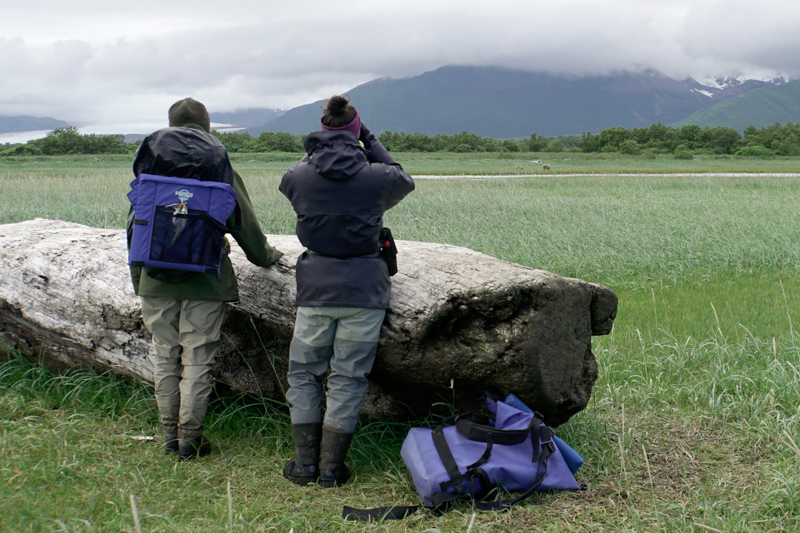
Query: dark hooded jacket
x=340, y=192
x=243, y=223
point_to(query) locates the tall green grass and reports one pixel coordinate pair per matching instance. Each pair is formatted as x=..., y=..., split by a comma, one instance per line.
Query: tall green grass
x=631, y=231
x=627, y=230
x=694, y=422
x=448, y=164
x=580, y=163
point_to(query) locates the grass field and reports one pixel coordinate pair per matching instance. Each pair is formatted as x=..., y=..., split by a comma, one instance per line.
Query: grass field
x=694, y=423
x=455, y=163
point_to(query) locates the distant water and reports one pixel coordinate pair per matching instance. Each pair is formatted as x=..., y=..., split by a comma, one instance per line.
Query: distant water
x=22, y=136
x=141, y=128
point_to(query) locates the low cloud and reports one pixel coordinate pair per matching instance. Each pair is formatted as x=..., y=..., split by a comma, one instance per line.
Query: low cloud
x=90, y=61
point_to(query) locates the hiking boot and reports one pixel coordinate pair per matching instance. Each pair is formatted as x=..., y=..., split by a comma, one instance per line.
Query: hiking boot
x=304, y=467
x=191, y=448
x=171, y=442
x=333, y=472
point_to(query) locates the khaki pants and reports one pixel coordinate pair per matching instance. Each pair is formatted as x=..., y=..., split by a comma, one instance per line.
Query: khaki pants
x=186, y=338
x=344, y=340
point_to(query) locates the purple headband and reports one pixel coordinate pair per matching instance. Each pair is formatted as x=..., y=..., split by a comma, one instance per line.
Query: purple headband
x=354, y=127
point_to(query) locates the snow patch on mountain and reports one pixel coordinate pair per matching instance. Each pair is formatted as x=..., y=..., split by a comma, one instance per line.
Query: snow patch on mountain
x=722, y=88
x=704, y=93
x=723, y=83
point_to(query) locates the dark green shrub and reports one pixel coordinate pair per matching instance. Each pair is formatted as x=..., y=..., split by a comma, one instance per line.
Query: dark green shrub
x=537, y=143
x=630, y=147
x=23, y=149
x=508, y=145
x=755, y=150
x=683, y=152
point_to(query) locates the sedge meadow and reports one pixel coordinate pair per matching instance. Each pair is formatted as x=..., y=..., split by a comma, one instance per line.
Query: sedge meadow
x=693, y=425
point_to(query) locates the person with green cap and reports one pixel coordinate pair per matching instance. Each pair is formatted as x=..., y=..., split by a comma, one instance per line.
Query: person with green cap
x=184, y=310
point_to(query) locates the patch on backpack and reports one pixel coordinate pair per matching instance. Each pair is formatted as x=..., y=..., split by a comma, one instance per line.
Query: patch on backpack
x=183, y=194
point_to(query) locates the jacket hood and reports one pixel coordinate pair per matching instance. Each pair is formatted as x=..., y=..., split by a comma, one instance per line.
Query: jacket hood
x=183, y=152
x=335, y=154
x=189, y=111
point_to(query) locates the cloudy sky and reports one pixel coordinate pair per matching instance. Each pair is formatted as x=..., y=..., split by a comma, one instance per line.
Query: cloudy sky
x=109, y=62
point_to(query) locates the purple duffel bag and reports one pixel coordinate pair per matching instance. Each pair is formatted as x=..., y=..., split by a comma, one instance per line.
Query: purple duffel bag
x=466, y=458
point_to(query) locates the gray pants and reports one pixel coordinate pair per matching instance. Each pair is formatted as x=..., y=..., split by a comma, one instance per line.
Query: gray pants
x=343, y=340
x=186, y=338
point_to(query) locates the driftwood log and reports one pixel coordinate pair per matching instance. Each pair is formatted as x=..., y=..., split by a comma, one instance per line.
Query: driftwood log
x=460, y=321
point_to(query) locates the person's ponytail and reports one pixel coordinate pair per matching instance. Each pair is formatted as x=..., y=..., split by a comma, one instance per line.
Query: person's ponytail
x=338, y=112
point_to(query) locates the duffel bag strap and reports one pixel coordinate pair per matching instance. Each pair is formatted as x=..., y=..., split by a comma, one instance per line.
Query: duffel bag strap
x=506, y=437
x=450, y=466
x=396, y=512
x=473, y=471
x=487, y=454
x=538, y=436
x=445, y=455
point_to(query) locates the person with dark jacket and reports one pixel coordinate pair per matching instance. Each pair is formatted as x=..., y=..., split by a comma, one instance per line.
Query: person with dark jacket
x=340, y=191
x=184, y=310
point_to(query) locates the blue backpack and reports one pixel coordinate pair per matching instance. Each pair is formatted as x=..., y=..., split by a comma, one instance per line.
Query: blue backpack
x=179, y=223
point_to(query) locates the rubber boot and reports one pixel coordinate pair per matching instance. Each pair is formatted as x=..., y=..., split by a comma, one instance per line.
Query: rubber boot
x=333, y=472
x=171, y=441
x=304, y=467
x=188, y=449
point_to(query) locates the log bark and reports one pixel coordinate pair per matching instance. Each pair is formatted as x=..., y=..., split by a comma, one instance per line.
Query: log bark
x=460, y=321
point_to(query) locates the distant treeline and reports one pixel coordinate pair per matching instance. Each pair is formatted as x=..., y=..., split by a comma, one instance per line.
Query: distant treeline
x=658, y=138
x=62, y=141
x=267, y=141
x=775, y=140
x=469, y=142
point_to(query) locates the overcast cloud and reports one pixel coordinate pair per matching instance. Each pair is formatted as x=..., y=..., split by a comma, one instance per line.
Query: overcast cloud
x=99, y=61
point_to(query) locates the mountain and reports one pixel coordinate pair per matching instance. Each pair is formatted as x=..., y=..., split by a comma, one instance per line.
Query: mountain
x=246, y=118
x=505, y=103
x=723, y=88
x=20, y=123
x=760, y=107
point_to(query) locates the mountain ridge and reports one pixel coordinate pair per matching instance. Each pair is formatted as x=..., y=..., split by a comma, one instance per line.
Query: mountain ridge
x=759, y=107
x=499, y=102
x=246, y=117
x=20, y=123
x=506, y=103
